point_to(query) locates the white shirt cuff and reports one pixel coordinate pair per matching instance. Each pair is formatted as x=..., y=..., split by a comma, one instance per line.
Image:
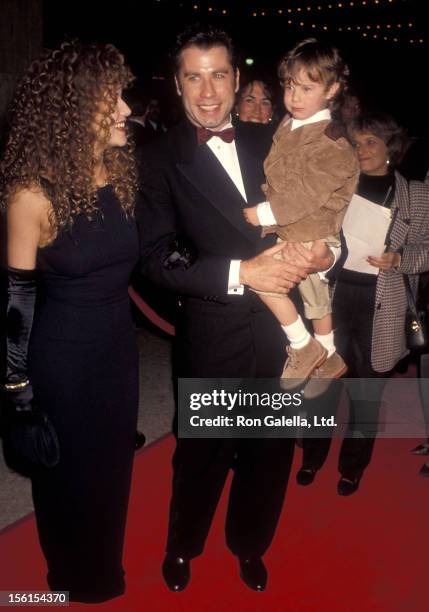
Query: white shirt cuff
x=265, y=214
x=336, y=252
x=234, y=286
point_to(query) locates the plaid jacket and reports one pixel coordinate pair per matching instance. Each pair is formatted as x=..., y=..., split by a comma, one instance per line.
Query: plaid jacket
x=409, y=231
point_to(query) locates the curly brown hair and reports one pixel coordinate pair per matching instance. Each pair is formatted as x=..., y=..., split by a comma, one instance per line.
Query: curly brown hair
x=52, y=136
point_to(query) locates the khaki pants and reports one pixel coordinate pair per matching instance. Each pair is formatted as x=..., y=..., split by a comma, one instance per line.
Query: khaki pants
x=314, y=291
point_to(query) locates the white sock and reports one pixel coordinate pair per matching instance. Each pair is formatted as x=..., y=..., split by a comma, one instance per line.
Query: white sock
x=327, y=341
x=297, y=334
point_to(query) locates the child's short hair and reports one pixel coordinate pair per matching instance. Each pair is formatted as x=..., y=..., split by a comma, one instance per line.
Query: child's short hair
x=321, y=62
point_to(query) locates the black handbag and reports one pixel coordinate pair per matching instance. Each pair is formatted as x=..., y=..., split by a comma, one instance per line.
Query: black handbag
x=416, y=322
x=416, y=319
x=30, y=441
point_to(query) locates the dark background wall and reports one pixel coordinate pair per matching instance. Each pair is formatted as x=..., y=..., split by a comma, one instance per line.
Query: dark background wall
x=391, y=73
x=21, y=38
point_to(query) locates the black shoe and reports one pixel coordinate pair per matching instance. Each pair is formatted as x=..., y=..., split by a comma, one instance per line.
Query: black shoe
x=139, y=440
x=424, y=470
x=176, y=572
x=305, y=476
x=421, y=449
x=253, y=572
x=347, y=485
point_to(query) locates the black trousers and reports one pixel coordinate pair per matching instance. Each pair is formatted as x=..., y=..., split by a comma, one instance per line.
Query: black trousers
x=239, y=342
x=353, y=311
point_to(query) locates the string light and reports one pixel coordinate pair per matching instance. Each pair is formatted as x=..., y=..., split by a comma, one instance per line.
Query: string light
x=369, y=30
x=341, y=4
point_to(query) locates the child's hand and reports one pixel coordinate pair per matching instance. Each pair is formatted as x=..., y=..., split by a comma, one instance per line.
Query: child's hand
x=251, y=215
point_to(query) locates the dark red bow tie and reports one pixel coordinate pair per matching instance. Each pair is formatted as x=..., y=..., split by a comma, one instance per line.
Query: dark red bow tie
x=203, y=134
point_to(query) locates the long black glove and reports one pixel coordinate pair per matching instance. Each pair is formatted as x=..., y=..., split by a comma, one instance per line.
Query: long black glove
x=29, y=439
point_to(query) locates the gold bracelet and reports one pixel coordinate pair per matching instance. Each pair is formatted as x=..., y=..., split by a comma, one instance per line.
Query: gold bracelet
x=16, y=386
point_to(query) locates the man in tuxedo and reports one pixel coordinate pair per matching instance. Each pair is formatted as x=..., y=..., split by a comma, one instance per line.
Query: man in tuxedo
x=195, y=241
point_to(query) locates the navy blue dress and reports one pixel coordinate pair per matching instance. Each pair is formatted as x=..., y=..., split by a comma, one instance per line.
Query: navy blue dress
x=83, y=364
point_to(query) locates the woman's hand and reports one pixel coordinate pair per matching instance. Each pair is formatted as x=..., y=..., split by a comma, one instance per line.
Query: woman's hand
x=386, y=262
x=251, y=215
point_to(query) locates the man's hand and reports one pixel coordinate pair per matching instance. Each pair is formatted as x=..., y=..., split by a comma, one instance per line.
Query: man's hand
x=387, y=261
x=318, y=259
x=265, y=273
x=251, y=215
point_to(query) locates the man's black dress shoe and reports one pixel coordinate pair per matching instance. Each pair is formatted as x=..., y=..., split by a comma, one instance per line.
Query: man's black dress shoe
x=347, y=485
x=421, y=449
x=424, y=471
x=139, y=440
x=305, y=476
x=176, y=572
x=253, y=572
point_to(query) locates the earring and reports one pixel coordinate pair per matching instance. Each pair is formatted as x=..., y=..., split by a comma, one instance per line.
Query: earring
x=387, y=161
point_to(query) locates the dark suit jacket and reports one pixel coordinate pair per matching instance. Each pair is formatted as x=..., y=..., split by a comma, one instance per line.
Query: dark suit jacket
x=186, y=191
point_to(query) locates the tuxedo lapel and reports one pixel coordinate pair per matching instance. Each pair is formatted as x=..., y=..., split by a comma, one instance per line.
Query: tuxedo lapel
x=252, y=173
x=204, y=171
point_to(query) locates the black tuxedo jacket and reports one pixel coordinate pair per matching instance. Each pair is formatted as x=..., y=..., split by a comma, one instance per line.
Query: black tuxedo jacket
x=187, y=192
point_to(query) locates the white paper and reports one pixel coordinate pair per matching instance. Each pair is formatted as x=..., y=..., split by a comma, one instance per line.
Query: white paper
x=365, y=227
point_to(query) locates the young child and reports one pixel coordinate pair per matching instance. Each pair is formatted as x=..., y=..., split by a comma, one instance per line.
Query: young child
x=311, y=174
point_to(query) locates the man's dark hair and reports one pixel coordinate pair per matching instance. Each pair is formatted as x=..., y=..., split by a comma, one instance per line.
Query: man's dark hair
x=203, y=37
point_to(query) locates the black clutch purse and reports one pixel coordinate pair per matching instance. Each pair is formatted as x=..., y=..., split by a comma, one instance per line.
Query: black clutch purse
x=416, y=322
x=29, y=439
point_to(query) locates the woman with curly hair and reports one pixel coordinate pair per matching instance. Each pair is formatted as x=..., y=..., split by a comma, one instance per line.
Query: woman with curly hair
x=68, y=182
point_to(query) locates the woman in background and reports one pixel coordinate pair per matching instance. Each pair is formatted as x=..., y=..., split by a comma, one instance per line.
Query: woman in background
x=255, y=102
x=369, y=309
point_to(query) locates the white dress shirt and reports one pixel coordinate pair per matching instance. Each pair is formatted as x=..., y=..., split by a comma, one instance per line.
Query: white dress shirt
x=226, y=153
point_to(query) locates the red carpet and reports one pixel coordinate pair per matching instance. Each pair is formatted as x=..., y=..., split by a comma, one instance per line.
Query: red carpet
x=365, y=553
